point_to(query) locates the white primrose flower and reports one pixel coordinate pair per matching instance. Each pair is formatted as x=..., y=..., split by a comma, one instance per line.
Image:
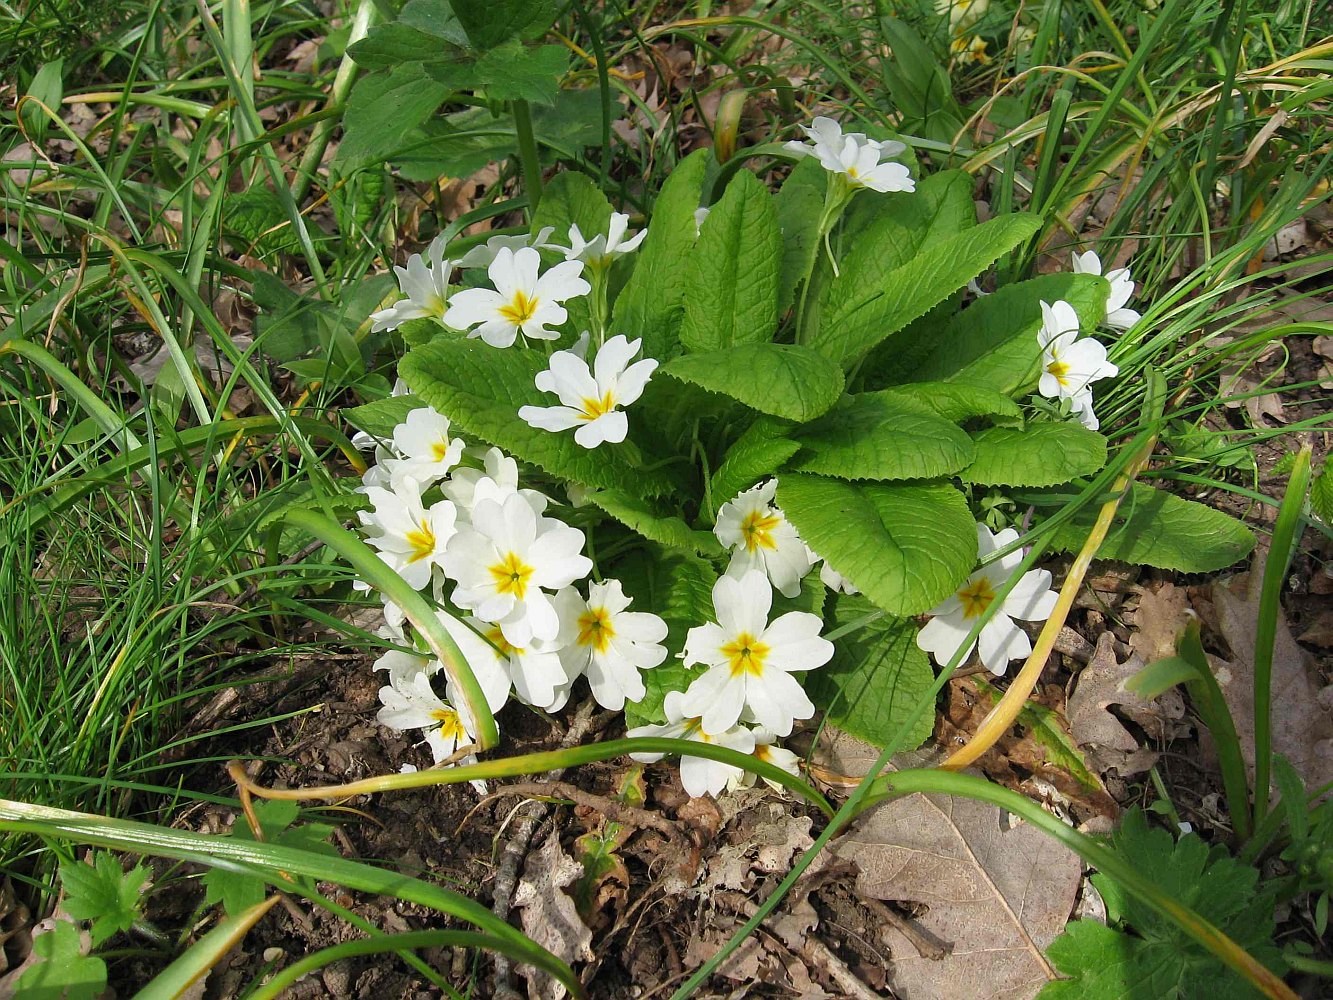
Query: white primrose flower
x=1118, y=315
x=535, y=671
x=522, y=301
x=410, y=702
x=699, y=775
x=599, y=251
x=608, y=643
x=592, y=397
x=750, y=660
x=497, y=479
x=410, y=537
x=422, y=450
x=426, y=286
x=854, y=157
x=1000, y=640
x=1068, y=365
x=403, y=666
x=766, y=749
x=503, y=559
x=484, y=254
x=364, y=441
x=761, y=537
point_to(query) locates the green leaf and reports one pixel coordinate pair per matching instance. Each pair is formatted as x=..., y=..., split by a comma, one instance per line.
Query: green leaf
x=236, y=891
x=490, y=22
x=259, y=225
x=732, y=273
x=919, y=86
x=1158, y=959
x=800, y=205
x=47, y=88
x=481, y=389
x=515, y=72
x=1321, y=493
x=877, y=677
x=1155, y=528
x=64, y=972
x=863, y=310
x=665, y=529
x=572, y=198
x=651, y=304
x=874, y=435
x=396, y=43
x=381, y=110
x=104, y=894
x=380, y=417
x=757, y=454
x=782, y=380
x=1040, y=454
x=434, y=17
x=906, y=547
x=993, y=342
x=956, y=403
x=679, y=587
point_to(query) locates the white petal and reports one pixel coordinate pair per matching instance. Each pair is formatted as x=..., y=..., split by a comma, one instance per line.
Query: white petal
x=942, y=636
x=609, y=428
x=1002, y=641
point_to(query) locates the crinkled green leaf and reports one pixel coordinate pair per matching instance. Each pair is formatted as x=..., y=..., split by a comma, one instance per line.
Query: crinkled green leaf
x=1041, y=454
x=258, y=222
x=651, y=304
x=877, y=677
x=64, y=972
x=488, y=23
x=993, y=342
x=906, y=547
x=1143, y=954
x=782, y=380
x=1156, y=528
x=104, y=894
x=865, y=307
x=517, y=72
x=873, y=435
x=757, y=454
x=382, y=109
x=1321, y=493
x=665, y=529
x=800, y=204
x=957, y=403
x=732, y=273
x=481, y=388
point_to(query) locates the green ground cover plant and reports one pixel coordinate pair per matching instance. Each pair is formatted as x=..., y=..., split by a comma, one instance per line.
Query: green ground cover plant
x=745, y=434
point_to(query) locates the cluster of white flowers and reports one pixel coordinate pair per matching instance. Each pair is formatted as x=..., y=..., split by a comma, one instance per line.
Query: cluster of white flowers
x=1069, y=365
x=857, y=160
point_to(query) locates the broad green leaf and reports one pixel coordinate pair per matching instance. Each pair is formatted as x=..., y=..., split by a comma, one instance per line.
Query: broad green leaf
x=993, y=342
x=434, y=17
x=1040, y=454
x=380, y=417
x=864, y=311
x=757, y=454
x=258, y=224
x=651, y=304
x=957, y=403
x=800, y=204
x=382, y=109
x=572, y=198
x=488, y=23
x=1321, y=493
x=905, y=547
x=104, y=894
x=64, y=972
x=782, y=380
x=665, y=529
x=395, y=43
x=46, y=88
x=874, y=435
x=481, y=389
x=732, y=273
x=515, y=72
x=877, y=677
x=1156, y=528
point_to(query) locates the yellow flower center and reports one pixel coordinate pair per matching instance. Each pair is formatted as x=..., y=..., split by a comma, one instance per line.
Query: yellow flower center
x=520, y=308
x=440, y=449
x=511, y=575
x=757, y=529
x=594, y=408
x=451, y=727
x=1059, y=369
x=435, y=307
x=595, y=629
x=422, y=541
x=976, y=597
x=506, y=648
x=745, y=655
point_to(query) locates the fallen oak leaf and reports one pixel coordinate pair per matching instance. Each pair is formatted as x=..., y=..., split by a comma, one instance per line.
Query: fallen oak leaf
x=549, y=915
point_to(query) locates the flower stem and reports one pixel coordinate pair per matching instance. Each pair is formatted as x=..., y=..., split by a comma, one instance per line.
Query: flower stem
x=527, y=155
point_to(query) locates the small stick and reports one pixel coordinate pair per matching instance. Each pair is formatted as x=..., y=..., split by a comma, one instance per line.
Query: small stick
x=612, y=810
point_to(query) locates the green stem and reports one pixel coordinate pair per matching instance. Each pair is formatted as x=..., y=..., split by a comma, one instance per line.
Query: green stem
x=1275, y=574
x=528, y=156
x=376, y=572
x=900, y=783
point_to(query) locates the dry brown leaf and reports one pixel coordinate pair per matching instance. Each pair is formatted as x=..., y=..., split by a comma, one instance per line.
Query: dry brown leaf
x=1100, y=686
x=994, y=889
x=549, y=915
x=1302, y=722
x=1320, y=631
x=1158, y=621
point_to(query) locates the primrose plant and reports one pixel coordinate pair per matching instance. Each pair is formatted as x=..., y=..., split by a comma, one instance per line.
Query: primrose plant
x=726, y=466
